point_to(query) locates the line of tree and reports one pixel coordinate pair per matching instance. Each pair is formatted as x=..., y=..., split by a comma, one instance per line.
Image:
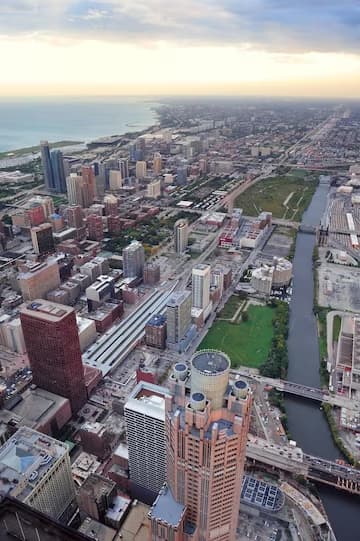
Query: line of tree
x=276, y=364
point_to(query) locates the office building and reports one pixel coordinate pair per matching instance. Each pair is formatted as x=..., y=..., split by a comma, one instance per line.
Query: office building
x=57, y=165
x=52, y=343
x=178, y=315
x=42, y=238
x=37, y=279
x=151, y=274
x=140, y=170
x=114, y=225
x=88, y=177
x=79, y=191
x=95, y=227
x=95, y=496
x=35, y=469
x=207, y=423
x=115, y=180
x=155, y=331
x=111, y=205
x=181, y=174
x=100, y=291
x=145, y=425
x=124, y=168
x=181, y=236
x=201, y=275
x=74, y=216
x=46, y=165
x=133, y=260
x=157, y=163
x=154, y=189
x=35, y=215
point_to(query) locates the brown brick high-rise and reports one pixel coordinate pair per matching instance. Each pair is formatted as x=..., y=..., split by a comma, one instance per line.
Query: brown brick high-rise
x=52, y=343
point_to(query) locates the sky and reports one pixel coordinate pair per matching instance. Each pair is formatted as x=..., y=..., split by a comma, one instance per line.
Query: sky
x=147, y=47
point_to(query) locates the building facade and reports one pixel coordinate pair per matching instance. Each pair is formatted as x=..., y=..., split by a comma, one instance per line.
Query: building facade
x=35, y=469
x=52, y=343
x=181, y=236
x=133, y=260
x=145, y=423
x=207, y=423
x=201, y=275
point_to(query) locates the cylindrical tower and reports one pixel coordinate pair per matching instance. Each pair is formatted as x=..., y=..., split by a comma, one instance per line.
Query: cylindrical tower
x=210, y=375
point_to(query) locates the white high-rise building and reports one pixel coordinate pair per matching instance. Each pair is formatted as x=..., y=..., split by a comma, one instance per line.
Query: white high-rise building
x=181, y=236
x=140, y=169
x=133, y=260
x=145, y=422
x=201, y=286
x=154, y=189
x=35, y=469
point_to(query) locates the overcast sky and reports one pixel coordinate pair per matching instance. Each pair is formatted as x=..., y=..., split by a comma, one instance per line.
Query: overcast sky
x=280, y=47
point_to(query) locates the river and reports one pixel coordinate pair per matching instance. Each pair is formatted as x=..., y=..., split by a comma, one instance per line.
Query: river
x=307, y=424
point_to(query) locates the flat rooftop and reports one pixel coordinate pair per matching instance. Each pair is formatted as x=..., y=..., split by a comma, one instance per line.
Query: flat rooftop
x=46, y=310
x=211, y=362
x=38, y=405
x=25, y=458
x=166, y=508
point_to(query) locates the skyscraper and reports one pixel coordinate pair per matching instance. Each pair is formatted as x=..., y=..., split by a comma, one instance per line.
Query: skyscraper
x=207, y=422
x=89, y=184
x=57, y=165
x=52, y=343
x=178, y=314
x=124, y=168
x=115, y=180
x=201, y=275
x=133, y=260
x=145, y=424
x=181, y=236
x=140, y=169
x=46, y=164
x=157, y=163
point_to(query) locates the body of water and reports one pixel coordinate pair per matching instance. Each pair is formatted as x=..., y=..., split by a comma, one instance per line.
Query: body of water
x=307, y=424
x=24, y=122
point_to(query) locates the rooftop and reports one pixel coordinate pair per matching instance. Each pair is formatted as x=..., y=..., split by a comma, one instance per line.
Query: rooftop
x=45, y=310
x=25, y=458
x=211, y=362
x=166, y=508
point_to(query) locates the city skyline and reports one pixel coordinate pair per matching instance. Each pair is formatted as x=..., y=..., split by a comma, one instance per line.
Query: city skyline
x=224, y=47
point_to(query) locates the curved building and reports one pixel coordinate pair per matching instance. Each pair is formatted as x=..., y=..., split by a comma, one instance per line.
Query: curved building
x=210, y=375
x=282, y=273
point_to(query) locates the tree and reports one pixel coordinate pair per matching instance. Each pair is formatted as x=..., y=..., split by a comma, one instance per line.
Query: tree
x=245, y=316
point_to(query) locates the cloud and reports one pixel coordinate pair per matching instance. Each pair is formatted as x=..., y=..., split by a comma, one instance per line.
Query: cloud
x=276, y=25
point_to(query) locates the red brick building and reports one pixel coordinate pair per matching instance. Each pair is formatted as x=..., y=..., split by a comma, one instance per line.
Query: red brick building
x=52, y=343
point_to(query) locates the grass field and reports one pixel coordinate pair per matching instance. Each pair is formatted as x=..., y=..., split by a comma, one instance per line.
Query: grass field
x=296, y=188
x=246, y=343
x=336, y=328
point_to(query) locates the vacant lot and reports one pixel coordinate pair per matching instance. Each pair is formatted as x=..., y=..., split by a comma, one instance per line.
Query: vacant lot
x=247, y=343
x=285, y=196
